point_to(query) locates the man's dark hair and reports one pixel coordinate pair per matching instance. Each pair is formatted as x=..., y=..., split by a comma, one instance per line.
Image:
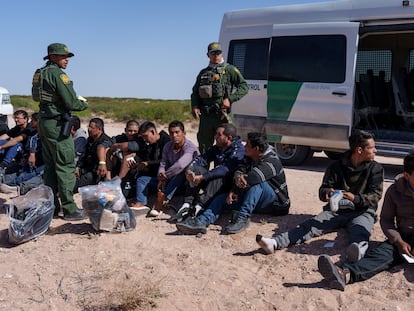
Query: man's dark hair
x=229, y=129
x=98, y=122
x=35, y=116
x=132, y=122
x=359, y=138
x=176, y=123
x=409, y=163
x=258, y=140
x=146, y=126
x=22, y=112
x=76, y=122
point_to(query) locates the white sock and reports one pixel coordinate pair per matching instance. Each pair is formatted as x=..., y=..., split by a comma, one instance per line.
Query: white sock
x=198, y=208
x=268, y=245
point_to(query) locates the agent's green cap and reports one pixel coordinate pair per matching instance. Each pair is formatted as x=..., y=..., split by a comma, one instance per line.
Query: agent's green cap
x=57, y=49
x=213, y=47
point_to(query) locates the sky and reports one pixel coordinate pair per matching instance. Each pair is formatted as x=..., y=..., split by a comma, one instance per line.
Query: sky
x=123, y=48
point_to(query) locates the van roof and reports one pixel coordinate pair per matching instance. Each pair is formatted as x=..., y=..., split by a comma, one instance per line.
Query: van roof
x=329, y=11
x=3, y=90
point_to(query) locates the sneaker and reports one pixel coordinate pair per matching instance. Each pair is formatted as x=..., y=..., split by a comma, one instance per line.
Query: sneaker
x=268, y=245
x=240, y=225
x=334, y=200
x=154, y=213
x=5, y=188
x=139, y=209
x=337, y=276
x=77, y=215
x=356, y=251
x=182, y=213
x=192, y=226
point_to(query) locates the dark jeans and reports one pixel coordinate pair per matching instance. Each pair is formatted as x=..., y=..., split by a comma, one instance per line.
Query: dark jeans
x=210, y=188
x=383, y=257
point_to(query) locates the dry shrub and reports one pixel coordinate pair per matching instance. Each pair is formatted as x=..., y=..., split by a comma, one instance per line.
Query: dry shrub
x=124, y=295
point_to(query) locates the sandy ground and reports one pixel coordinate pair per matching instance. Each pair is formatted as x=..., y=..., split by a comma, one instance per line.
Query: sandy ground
x=72, y=267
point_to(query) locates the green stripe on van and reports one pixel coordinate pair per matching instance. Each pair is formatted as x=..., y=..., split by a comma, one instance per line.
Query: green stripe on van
x=281, y=97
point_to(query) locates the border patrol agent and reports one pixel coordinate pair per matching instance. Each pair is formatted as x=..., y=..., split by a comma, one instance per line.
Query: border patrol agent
x=217, y=86
x=53, y=89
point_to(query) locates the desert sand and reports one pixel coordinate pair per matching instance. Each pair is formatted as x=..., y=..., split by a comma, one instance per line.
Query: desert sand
x=73, y=267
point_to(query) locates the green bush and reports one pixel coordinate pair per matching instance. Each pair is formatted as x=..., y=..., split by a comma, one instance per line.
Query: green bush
x=123, y=109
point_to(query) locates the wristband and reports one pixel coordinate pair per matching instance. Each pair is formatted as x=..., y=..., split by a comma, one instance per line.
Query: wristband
x=102, y=163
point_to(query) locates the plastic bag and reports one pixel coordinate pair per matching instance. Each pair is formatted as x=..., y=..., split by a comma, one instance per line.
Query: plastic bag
x=106, y=207
x=30, y=214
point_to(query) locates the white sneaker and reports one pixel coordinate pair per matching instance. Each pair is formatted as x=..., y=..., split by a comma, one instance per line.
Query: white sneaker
x=334, y=200
x=154, y=213
x=138, y=211
x=356, y=251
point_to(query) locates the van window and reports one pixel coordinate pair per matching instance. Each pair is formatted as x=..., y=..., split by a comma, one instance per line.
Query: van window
x=250, y=57
x=411, y=63
x=375, y=60
x=308, y=59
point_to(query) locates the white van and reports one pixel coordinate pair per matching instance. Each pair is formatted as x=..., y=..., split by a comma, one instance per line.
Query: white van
x=6, y=108
x=316, y=71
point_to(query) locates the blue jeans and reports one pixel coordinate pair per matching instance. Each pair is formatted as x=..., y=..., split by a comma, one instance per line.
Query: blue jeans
x=145, y=185
x=26, y=175
x=257, y=197
x=10, y=153
x=173, y=185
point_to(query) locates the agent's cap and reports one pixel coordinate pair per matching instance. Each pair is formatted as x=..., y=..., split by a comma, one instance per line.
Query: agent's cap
x=214, y=47
x=58, y=49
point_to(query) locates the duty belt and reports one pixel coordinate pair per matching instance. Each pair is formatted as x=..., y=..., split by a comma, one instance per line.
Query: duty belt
x=58, y=117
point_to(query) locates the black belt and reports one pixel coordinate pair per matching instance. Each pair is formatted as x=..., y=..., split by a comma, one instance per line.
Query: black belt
x=58, y=118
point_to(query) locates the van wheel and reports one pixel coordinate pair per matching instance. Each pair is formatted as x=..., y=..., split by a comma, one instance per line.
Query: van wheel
x=333, y=155
x=293, y=154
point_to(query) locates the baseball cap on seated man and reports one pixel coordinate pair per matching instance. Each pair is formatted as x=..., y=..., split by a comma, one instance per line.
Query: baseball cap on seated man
x=214, y=47
x=57, y=49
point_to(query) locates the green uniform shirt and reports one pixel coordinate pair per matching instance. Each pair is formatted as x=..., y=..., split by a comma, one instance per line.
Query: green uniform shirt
x=230, y=78
x=54, y=91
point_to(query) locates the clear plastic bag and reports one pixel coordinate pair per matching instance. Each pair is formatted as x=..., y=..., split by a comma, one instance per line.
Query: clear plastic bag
x=30, y=214
x=106, y=207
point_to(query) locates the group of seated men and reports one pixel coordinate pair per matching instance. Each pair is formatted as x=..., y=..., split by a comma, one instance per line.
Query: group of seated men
x=243, y=178
x=20, y=152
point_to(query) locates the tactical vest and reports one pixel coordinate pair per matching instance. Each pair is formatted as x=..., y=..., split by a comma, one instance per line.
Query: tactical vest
x=40, y=93
x=212, y=84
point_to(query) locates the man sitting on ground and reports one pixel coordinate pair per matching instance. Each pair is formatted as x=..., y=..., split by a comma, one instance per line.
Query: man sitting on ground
x=147, y=162
x=13, y=141
x=226, y=154
x=358, y=179
x=176, y=156
x=397, y=223
x=259, y=186
x=92, y=168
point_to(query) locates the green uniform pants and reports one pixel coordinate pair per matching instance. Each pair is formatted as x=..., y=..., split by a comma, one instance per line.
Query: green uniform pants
x=59, y=158
x=207, y=130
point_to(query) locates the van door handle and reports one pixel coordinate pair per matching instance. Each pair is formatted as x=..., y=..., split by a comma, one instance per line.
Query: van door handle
x=339, y=93
x=265, y=86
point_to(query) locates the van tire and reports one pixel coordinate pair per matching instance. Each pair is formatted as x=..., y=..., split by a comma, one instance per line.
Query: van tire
x=293, y=154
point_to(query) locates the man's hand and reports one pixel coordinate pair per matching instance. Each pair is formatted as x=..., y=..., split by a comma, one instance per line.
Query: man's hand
x=196, y=113
x=32, y=160
x=101, y=172
x=348, y=195
x=232, y=197
x=404, y=248
x=241, y=181
x=162, y=177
